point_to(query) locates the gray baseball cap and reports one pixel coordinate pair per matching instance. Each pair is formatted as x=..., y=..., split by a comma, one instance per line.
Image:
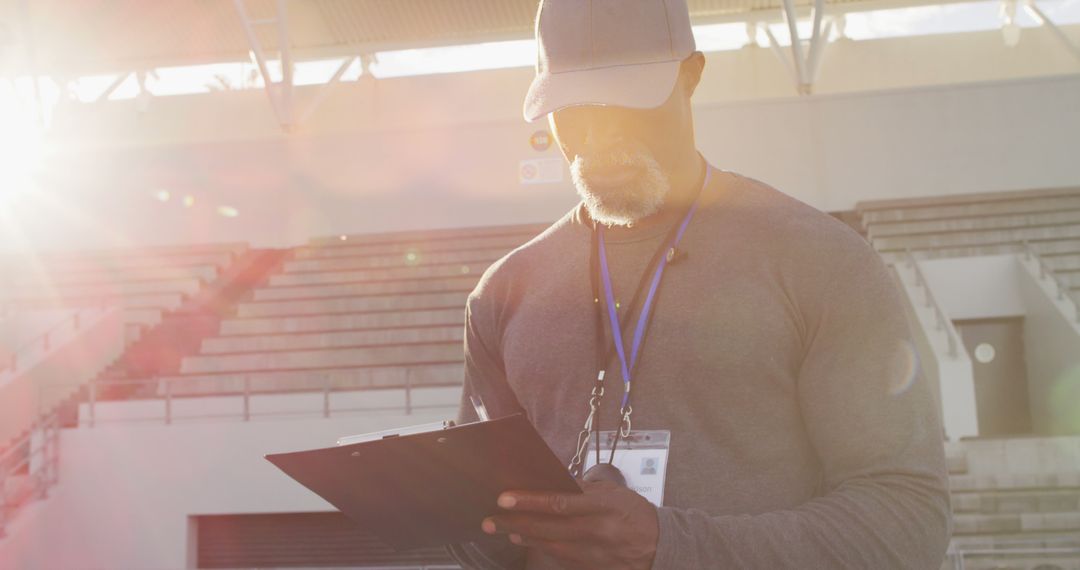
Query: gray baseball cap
x=607, y=52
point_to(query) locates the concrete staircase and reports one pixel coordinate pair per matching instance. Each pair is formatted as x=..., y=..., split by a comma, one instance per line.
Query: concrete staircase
x=350, y=313
x=1048, y=221
x=146, y=282
x=1016, y=504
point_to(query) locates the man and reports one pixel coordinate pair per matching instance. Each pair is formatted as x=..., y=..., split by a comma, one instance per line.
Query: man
x=774, y=347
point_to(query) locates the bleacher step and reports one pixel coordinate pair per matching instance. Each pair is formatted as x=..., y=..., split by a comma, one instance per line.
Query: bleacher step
x=330, y=357
x=407, y=259
x=161, y=273
x=1015, y=481
x=967, y=524
x=996, y=222
x=359, y=378
x=384, y=274
x=400, y=286
x=1063, y=262
x=415, y=238
x=973, y=208
x=506, y=241
x=352, y=304
x=349, y=321
x=276, y=342
x=1006, y=561
x=976, y=238
x=1016, y=502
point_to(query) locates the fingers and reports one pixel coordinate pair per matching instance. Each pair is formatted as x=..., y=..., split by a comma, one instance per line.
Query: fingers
x=571, y=556
x=538, y=527
x=595, y=499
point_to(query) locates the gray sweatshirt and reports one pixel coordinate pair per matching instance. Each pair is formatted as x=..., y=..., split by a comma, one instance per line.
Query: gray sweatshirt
x=804, y=434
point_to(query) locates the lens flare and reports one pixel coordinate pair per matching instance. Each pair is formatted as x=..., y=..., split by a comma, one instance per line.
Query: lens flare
x=904, y=368
x=1064, y=402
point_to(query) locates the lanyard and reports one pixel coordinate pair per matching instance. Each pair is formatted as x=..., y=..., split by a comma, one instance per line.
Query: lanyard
x=599, y=265
x=626, y=365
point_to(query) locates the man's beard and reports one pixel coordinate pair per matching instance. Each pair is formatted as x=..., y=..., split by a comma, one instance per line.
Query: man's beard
x=627, y=203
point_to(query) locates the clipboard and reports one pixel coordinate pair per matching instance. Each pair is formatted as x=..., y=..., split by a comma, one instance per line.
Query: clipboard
x=431, y=488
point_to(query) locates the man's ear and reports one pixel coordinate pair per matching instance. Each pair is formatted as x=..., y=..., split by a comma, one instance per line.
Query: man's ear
x=690, y=70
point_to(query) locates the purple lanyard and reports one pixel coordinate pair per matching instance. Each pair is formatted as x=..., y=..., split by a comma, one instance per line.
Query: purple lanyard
x=643, y=318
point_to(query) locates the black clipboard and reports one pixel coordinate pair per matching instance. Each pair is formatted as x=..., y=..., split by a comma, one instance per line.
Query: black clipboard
x=431, y=488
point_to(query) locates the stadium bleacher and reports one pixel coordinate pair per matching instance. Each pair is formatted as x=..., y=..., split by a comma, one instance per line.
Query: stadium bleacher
x=146, y=282
x=361, y=312
x=1016, y=504
x=353, y=312
x=142, y=387
x=1046, y=221
x=1016, y=501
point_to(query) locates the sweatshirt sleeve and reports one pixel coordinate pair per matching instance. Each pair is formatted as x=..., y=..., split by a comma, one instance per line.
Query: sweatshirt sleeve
x=485, y=377
x=874, y=423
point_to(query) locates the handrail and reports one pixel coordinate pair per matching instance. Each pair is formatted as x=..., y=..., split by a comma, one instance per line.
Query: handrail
x=930, y=301
x=165, y=391
x=958, y=551
x=46, y=432
x=1033, y=547
x=44, y=339
x=1045, y=271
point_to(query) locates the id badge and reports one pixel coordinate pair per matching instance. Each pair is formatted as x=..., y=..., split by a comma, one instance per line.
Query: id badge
x=642, y=458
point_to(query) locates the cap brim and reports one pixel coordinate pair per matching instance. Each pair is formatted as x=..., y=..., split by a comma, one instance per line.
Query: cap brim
x=639, y=86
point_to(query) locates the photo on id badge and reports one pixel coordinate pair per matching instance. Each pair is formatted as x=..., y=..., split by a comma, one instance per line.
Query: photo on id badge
x=641, y=457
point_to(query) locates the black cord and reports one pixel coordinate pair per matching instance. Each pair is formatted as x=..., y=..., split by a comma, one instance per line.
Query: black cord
x=601, y=328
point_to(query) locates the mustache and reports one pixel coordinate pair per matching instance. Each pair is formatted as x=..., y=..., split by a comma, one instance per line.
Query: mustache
x=625, y=203
x=589, y=163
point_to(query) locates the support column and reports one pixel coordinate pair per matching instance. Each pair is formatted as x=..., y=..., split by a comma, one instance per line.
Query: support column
x=280, y=93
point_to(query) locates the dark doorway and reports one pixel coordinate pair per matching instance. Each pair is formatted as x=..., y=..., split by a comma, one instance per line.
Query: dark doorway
x=297, y=540
x=996, y=347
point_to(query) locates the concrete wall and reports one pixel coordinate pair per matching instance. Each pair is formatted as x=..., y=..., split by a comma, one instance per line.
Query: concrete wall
x=126, y=491
x=1052, y=351
x=893, y=118
x=980, y=287
x=1000, y=286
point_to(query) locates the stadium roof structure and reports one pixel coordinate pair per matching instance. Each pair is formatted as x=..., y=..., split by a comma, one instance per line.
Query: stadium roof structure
x=80, y=37
x=67, y=39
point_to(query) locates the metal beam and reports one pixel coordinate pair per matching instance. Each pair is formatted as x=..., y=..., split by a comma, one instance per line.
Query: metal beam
x=1040, y=17
x=324, y=91
x=790, y=17
x=257, y=51
x=775, y=45
x=818, y=39
x=817, y=46
x=803, y=69
x=280, y=94
x=30, y=54
x=120, y=79
x=287, y=84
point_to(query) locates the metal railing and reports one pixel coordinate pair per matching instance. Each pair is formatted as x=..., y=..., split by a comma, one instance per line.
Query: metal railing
x=941, y=320
x=171, y=390
x=45, y=341
x=1048, y=272
x=413, y=567
x=1052, y=546
x=29, y=467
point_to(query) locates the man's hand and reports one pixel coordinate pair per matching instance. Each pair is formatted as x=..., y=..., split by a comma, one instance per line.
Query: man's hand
x=609, y=526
